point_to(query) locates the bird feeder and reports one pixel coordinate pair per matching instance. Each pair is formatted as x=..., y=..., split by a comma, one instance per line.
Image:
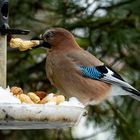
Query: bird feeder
x=29, y=116
x=26, y=116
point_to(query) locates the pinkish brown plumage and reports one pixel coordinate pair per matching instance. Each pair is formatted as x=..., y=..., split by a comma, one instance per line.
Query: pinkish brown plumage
x=63, y=68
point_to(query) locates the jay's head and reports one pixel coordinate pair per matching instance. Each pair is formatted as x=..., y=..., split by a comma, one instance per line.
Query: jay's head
x=58, y=38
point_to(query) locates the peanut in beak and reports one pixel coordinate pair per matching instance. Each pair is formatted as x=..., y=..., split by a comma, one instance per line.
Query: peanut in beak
x=24, y=45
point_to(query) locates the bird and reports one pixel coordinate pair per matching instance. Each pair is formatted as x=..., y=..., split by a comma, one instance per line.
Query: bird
x=76, y=72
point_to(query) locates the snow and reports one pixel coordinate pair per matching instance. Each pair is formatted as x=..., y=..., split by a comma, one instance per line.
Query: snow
x=90, y=131
x=50, y=96
x=73, y=101
x=7, y=97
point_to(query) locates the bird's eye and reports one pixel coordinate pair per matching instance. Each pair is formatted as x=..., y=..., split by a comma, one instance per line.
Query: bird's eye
x=49, y=35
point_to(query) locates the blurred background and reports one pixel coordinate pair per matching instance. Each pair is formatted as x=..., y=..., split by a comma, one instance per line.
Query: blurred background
x=109, y=29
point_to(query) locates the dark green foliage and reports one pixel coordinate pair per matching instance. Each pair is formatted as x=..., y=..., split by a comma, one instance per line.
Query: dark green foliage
x=110, y=30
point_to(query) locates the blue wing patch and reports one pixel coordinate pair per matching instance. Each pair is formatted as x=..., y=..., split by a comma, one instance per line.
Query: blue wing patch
x=105, y=74
x=91, y=72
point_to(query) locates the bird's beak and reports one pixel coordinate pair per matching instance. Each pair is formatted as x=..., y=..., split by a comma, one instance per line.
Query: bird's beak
x=41, y=36
x=43, y=43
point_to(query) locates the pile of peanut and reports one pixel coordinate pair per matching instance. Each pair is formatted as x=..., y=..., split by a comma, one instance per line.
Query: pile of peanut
x=38, y=97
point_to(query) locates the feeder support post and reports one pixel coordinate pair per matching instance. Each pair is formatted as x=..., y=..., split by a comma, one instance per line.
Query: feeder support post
x=3, y=42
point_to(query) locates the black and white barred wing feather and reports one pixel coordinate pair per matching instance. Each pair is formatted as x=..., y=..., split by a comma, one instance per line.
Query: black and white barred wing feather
x=105, y=74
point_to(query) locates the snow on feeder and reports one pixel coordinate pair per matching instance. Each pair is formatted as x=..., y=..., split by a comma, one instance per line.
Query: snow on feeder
x=30, y=111
x=18, y=114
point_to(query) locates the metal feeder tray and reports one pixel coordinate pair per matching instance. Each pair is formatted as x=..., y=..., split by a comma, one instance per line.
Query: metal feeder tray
x=36, y=116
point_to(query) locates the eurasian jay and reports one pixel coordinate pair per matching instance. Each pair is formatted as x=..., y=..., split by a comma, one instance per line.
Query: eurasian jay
x=76, y=72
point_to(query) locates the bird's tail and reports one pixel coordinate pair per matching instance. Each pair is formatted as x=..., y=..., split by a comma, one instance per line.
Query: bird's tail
x=133, y=92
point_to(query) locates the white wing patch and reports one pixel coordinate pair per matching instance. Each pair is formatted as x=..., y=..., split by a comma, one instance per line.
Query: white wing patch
x=117, y=90
x=109, y=78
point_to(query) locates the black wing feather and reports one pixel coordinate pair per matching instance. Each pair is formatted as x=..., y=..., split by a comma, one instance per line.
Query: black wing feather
x=103, y=70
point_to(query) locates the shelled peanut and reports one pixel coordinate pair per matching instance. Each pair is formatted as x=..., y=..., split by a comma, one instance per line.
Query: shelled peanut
x=34, y=97
x=16, y=90
x=25, y=99
x=41, y=94
x=53, y=98
x=38, y=97
x=23, y=45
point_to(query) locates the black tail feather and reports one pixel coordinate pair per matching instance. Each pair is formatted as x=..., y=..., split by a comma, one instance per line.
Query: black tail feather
x=134, y=93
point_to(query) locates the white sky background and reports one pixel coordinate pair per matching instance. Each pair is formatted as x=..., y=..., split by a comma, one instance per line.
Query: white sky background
x=82, y=131
x=93, y=5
